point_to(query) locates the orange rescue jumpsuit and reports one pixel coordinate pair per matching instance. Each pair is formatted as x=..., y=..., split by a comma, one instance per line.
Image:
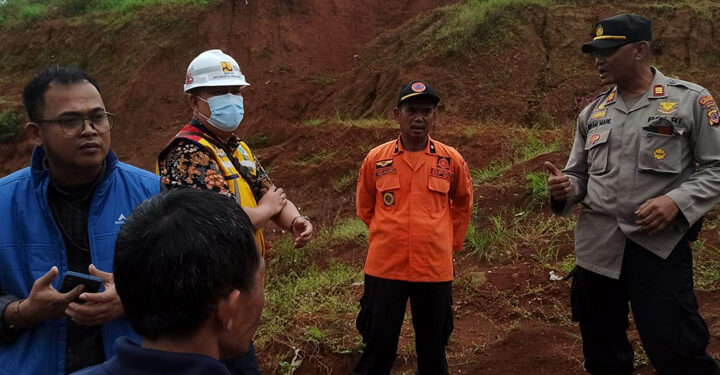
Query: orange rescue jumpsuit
x=417, y=217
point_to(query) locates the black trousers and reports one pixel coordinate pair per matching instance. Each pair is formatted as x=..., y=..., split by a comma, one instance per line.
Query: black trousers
x=382, y=310
x=660, y=293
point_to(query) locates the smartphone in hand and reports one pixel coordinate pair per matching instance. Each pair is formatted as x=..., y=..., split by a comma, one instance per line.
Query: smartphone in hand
x=73, y=279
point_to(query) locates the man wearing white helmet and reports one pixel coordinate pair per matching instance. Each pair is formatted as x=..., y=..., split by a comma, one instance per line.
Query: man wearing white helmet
x=206, y=155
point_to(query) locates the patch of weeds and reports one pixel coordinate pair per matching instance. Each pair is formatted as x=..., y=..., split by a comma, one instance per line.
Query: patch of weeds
x=314, y=159
x=9, y=126
x=567, y=264
x=315, y=335
x=484, y=243
x=469, y=132
x=367, y=123
x=351, y=229
x=16, y=11
x=325, y=297
x=514, y=229
x=489, y=174
x=469, y=26
x=544, y=120
x=286, y=257
x=258, y=141
x=315, y=121
x=534, y=147
x=547, y=256
x=346, y=181
x=321, y=81
x=706, y=260
x=537, y=187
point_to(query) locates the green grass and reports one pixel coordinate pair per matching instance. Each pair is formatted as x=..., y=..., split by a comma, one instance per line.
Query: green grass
x=706, y=265
x=500, y=236
x=257, y=141
x=309, y=306
x=315, y=121
x=532, y=147
x=489, y=174
x=321, y=81
x=484, y=243
x=287, y=258
x=314, y=159
x=346, y=181
x=15, y=11
x=9, y=126
x=537, y=187
x=297, y=304
x=367, y=123
x=473, y=25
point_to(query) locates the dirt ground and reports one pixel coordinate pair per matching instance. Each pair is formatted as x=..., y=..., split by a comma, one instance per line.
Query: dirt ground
x=330, y=61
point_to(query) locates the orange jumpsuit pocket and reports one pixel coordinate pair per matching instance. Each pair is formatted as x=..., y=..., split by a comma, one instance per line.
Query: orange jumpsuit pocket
x=387, y=189
x=438, y=194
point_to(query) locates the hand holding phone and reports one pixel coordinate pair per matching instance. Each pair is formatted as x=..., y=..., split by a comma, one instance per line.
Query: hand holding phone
x=97, y=308
x=72, y=279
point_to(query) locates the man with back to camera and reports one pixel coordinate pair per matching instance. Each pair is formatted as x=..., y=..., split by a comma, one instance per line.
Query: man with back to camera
x=206, y=155
x=415, y=195
x=633, y=169
x=191, y=285
x=62, y=214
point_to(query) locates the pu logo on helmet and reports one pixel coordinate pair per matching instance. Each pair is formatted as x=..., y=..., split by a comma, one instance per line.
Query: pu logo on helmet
x=226, y=66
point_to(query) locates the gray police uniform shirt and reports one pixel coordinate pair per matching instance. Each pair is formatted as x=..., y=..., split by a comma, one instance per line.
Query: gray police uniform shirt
x=621, y=157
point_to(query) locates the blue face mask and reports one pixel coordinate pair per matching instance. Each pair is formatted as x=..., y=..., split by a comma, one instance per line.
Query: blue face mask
x=226, y=111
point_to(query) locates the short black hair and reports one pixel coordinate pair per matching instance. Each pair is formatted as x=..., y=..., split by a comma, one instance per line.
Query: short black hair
x=34, y=93
x=177, y=254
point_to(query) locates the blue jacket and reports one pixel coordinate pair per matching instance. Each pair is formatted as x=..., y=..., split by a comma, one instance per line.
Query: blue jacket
x=30, y=244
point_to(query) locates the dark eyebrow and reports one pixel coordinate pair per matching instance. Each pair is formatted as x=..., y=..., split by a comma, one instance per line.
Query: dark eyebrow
x=79, y=114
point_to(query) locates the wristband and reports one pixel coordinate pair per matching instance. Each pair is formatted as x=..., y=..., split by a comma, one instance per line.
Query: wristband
x=13, y=325
x=292, y=223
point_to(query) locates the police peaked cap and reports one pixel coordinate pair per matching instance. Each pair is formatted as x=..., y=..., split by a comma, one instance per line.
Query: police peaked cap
x=619, y=30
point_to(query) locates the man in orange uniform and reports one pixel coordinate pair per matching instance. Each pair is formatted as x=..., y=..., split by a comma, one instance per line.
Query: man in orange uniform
x=415, y=195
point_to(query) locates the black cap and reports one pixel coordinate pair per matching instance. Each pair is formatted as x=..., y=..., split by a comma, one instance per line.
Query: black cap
x=616, y=31
x=416, y=89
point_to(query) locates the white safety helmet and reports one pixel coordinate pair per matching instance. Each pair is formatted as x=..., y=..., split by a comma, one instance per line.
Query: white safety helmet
x=213, y=68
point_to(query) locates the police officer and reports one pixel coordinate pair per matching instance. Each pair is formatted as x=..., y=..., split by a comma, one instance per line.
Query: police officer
x=633, y=169
x=415, y=195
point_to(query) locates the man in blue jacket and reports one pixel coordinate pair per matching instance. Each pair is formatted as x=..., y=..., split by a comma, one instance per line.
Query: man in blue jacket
x=63, y=214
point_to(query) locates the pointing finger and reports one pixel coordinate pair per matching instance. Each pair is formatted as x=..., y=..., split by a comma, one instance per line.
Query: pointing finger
x=552, y=169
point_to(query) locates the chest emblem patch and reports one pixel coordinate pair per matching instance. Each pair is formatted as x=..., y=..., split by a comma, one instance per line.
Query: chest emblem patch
x=594, y=138
x=389, y=198
x=383, y=163
x=443, y=162
x=667, y=107
x=659, y=154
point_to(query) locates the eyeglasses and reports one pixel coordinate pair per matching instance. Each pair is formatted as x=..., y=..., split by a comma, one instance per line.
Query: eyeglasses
x=102, y=122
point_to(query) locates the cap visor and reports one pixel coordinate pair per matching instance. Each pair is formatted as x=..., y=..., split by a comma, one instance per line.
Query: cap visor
x=602, y=43
x=418, y=95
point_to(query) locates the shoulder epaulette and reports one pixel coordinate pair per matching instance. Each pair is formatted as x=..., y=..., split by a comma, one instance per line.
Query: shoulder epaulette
x=689, y=85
